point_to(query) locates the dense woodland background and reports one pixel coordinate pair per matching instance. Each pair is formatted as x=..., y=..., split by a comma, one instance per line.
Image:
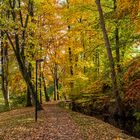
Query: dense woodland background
x=86, y=50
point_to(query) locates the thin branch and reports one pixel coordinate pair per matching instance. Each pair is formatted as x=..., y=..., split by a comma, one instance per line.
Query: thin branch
x=20, y=14
x=10, y=2
x=9, y=38
x=12, y=6
x=14, y=3
x=26, y=21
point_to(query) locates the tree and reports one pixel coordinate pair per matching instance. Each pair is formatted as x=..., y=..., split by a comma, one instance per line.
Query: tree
x=4, y=69
x=16, y=34
x=119, y=105
x=4, y=62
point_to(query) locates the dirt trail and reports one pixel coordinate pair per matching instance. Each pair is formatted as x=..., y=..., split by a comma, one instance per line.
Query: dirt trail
x=54, y=123
x=59, y=125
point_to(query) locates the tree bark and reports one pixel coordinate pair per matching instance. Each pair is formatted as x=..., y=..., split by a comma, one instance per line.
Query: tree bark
x=71, y=69
x=119, y=105
x=55, y=82
x=117, y=42
x=57, y=85
x=40, y=83
x=28, y=102
x=97, y=64
x=4, y=70
x=70, y=56
x=118, y=56
x=45, y=89
x=4, y=64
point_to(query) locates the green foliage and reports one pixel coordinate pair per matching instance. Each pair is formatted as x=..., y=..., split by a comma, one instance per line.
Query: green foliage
x=50, y=90
x=3, y=108
x=137, y=115
x=18, y=100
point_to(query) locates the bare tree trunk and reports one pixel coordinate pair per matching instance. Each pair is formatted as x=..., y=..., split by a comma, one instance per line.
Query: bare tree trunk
x=30, y=67
x=70, y=57
x=28, y=98
x=83, y=44
x=57, y=85
x=117, y=42
x=4, y=64
x=40, y=83
x=118, y=56
x=117, y=50
x=6, y=74
x=97, y=64
x=71, y=70
x=119, y=105
x=55, y=82
x=28, y=102
x=4, y=70
x=45, y=89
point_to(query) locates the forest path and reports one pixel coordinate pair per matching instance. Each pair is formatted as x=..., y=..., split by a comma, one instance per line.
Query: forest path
x=59, y=124
x=55, y=123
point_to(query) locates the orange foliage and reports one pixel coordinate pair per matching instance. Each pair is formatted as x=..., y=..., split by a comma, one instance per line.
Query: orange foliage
x=132, y=83
x=132, y=95
x=133, y=71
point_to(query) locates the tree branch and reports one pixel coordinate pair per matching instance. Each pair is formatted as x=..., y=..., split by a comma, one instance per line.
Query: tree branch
x=26, y=21
x=9, y=38
x=20, y=14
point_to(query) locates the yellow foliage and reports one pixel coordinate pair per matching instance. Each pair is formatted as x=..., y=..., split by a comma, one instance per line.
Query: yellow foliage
x=129, y=7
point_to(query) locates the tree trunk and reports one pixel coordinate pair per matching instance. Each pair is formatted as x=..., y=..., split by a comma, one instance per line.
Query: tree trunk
x=117, y=42
x=28, y=102
x=4, y=70
x=23, y=68
x=117, y=50
x=119, y=105
x=70, y=57
x=97, y=64
x=27, y=79
x=55, y=82
x=71, y=70
x=40, y=83
x=57, y=85
x=4, y=64
x=117, y=47
x=45, y=89
x=83, y=45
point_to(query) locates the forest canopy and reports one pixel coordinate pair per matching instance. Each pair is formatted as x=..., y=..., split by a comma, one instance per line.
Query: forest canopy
x=87, y=51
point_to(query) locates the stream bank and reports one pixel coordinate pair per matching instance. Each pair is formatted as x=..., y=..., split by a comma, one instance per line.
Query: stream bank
x=129, y=126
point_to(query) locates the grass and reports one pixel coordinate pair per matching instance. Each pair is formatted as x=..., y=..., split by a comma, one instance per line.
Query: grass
x=13, y=104
x=2, y=106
